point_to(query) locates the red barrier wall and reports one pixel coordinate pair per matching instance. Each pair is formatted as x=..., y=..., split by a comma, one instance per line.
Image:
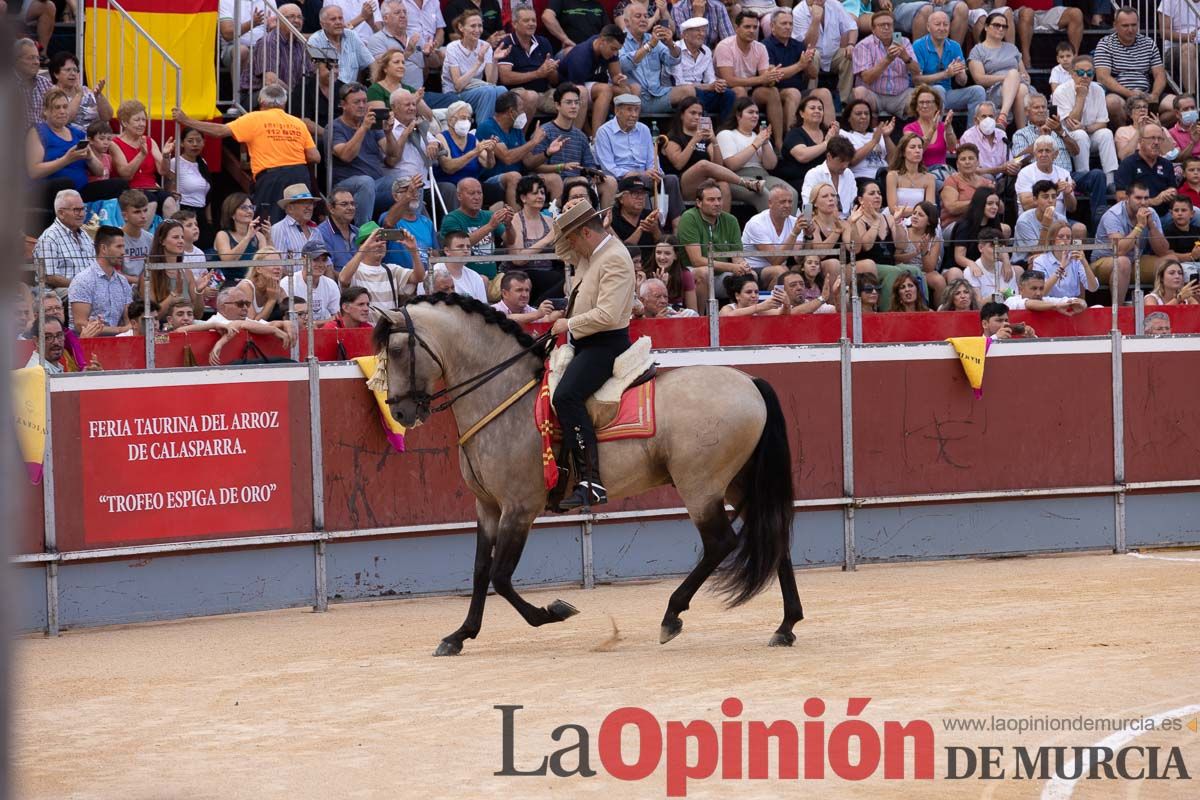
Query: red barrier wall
x=1162, y=431
x=1045, y=420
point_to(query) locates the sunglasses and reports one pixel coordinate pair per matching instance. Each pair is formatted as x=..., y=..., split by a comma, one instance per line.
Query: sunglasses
x=1086, y=73
x=1000, y=26
x=870, y=290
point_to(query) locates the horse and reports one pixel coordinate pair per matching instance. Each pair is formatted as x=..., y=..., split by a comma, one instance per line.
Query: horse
x=720, y=437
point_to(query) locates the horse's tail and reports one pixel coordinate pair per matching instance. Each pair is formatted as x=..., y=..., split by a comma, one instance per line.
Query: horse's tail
x=766, y=508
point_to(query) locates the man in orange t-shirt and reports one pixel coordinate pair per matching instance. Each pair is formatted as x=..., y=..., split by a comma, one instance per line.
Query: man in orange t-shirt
x=280, y=145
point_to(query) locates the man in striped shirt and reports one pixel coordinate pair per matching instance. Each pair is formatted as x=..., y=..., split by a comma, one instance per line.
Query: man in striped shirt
x=565, y=149
x=884, y=68
x=1129, y=62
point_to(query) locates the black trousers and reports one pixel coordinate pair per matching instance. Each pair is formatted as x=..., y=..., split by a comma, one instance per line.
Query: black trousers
x=587, y=372
x=270, y=183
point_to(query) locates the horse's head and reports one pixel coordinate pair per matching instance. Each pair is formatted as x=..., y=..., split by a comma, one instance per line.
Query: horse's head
x=412, y=366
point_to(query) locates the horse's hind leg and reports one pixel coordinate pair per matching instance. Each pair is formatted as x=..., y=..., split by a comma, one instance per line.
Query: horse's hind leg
x=719, y=540
x=793, y=612
x=510, y=542
x=485, y=533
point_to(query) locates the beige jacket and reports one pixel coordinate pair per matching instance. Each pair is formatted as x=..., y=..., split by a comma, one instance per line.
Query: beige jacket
x=605, y=299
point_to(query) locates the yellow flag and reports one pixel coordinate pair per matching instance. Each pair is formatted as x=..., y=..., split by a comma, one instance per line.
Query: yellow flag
x=392, y=429
x=29, y=409
x=972, y=350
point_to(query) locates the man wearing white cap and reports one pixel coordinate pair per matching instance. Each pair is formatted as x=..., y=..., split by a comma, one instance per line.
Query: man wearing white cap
x=601, y=285
x=624, y=147
x=714, y=14
x=695, y=68
x=291, y=233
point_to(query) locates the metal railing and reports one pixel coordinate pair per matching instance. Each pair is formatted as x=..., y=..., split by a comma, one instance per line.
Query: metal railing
x=1183, y=67
x=288, y=48
x=144, y=70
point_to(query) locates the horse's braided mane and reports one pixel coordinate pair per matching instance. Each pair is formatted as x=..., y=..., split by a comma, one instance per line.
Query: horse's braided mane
x=490, y=316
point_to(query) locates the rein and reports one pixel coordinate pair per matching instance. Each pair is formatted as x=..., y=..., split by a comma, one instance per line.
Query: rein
x=424, y=401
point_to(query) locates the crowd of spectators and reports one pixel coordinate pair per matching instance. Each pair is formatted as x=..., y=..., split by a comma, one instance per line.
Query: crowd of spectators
x=911, y=136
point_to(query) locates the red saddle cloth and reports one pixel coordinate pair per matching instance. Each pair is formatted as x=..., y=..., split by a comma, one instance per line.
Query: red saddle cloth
x=634, y=420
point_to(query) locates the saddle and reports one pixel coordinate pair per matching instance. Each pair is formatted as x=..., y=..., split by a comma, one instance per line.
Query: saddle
x=623, y=408
x=631, y=369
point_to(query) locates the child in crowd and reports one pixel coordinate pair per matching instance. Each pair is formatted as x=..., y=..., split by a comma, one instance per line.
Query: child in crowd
x=1064, y=54
x=1190, y=188
x=99, y=137
x=1182, y=234
x=982, y=273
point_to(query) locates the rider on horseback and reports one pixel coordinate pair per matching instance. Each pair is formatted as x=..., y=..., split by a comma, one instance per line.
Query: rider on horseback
x=601, y=287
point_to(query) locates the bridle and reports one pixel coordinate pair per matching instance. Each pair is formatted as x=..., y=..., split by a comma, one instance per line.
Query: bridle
x=423, y=400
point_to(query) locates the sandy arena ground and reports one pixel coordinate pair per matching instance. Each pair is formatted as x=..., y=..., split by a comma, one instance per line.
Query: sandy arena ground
x=350, y=704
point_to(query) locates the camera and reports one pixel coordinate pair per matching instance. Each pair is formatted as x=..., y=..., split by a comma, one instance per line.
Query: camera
x=1018, y=328
x=558, y=303
x=1191, y=272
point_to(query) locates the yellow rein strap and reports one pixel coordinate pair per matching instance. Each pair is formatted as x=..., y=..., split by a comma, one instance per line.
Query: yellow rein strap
x=497, y=411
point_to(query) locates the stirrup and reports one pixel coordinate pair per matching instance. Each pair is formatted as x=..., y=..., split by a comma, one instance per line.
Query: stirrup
x=585, y=495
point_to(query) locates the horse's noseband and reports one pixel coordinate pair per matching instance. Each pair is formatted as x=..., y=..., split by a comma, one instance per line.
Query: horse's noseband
x=421, y=399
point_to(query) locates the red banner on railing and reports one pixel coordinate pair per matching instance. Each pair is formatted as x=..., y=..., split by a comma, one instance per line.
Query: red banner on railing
x=165, y=462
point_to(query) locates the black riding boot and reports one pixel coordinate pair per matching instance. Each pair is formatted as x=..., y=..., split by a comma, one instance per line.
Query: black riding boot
x=588, y=491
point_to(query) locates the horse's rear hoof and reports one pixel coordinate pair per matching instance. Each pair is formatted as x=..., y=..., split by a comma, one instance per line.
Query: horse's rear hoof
x=782, y=640
x=561, y=609
x=669, y=631
x=448, y=648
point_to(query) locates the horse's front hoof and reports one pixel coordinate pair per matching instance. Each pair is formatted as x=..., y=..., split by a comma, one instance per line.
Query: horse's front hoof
x=560, y=610
x=448, y=648
x=669, y=631
x=782, y=640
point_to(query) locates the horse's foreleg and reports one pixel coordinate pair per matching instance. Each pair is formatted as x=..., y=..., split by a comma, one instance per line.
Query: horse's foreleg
x=452, y=644
x=719, y=540
x=793, y=612
x=510, y=542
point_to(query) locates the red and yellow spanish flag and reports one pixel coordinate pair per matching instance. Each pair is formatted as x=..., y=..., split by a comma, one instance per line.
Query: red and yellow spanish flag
x=117, y=49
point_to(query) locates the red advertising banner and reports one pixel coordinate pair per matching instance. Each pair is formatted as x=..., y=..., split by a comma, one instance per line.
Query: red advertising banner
x=177, y=461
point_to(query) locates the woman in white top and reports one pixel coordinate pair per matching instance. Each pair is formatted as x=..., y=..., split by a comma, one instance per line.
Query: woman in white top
x=908, y=182
x=261, y=285
x=751, y=155
x=873, y=148
x=192, y=183
x=470, y=67
x=1169, y=288
x=744, y=291
x=1067, y=271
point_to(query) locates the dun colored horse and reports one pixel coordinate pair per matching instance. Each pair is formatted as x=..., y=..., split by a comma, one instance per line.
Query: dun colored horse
x=720, y=437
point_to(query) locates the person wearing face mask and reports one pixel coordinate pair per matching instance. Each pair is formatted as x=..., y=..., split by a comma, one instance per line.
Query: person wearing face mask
x=507, y=129
x=464, y=154
x=1186, y=131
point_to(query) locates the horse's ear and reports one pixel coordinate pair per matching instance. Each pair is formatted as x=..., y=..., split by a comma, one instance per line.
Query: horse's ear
x=390, y=315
